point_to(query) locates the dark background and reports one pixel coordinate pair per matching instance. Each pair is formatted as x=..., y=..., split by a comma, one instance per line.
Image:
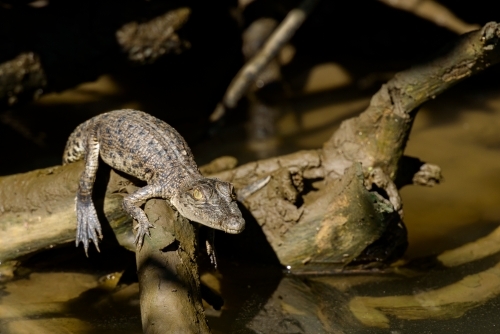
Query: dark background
x=76, y=43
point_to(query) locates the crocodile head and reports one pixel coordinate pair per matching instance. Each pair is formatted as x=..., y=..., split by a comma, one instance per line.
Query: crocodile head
x=210, y=202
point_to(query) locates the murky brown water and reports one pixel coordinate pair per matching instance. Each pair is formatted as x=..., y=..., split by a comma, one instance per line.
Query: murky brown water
x=459, y=132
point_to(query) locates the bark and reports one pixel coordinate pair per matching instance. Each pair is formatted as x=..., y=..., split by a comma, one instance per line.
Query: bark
x=168, y=274
x=37, y=210
x=22, y=76
x=146, y=42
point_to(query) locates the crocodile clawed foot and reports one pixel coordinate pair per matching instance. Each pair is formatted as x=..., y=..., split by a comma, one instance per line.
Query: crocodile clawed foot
x=88, y=228
x=142, y=230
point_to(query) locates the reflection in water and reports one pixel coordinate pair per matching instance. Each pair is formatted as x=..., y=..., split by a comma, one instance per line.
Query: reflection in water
x=68, y=303
x=260, y=300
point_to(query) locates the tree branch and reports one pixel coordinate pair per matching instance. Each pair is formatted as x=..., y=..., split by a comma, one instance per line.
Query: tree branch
x=250, y=71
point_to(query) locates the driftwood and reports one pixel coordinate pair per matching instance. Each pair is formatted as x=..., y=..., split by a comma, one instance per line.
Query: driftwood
x=36, y=208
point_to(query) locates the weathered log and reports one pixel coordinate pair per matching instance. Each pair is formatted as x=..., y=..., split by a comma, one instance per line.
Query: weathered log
x=168, y=274
x=334, y=229
x=377, y=137
x=40, y=212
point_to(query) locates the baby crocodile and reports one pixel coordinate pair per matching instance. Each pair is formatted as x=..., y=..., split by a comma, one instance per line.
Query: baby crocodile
x=151, y=150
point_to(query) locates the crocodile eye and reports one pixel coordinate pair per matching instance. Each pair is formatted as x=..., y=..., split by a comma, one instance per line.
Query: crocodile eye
x=197, y=195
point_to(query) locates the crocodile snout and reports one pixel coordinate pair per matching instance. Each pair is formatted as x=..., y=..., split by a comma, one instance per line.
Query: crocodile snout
x=234, y=225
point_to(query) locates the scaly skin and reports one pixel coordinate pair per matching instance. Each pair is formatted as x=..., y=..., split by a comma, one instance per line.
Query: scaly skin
x=151, y=150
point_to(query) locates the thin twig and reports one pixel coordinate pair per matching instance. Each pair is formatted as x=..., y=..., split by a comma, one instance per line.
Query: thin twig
x=249, y=72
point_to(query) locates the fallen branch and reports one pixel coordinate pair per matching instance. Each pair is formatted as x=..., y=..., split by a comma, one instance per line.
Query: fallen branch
x=377, y=137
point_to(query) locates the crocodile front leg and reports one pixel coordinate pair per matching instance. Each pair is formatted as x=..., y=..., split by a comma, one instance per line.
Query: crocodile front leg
x=88, y=227
x=131, y=205
x=210, y=244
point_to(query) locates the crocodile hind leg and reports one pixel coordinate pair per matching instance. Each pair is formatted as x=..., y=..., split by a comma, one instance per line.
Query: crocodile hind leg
x=131, y=205
x=88, y=224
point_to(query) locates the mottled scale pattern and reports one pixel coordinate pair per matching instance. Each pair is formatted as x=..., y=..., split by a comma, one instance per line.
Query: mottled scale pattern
x=143, y=146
